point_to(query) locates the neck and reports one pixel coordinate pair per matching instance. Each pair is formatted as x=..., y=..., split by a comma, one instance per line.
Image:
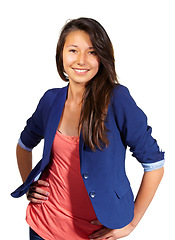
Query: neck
x=75, y=93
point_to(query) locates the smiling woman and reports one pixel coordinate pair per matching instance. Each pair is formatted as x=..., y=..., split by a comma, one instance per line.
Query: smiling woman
x=79, y=190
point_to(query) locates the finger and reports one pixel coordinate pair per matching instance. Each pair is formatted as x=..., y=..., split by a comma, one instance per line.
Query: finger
x=101, y=234
x=96, y=222
x=106, y=236
x=43, y=183
x=111, y=238
x=36, y=201
x=37, y=196
x=34, y=189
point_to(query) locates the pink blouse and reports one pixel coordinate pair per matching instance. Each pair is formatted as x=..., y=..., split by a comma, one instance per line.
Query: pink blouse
x=68, y=212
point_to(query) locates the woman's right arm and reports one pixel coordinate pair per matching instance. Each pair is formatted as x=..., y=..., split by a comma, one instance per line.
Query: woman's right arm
x=24, y=159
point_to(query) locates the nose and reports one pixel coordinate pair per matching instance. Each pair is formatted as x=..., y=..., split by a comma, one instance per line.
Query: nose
x=81, y=59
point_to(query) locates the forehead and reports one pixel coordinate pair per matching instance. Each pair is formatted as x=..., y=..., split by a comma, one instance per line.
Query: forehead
x=78, y=38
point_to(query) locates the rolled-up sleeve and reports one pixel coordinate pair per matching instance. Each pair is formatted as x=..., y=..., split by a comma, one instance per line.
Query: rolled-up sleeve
x=21, y=144
x=34, y=129
x=153, y=166
x=135, y=133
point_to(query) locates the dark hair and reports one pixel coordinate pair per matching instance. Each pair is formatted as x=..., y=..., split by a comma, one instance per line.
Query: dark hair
x=97, y=94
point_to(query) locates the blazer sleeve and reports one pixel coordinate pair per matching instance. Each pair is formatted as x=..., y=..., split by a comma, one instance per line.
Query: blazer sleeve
x=132, y=124
x=34, y=129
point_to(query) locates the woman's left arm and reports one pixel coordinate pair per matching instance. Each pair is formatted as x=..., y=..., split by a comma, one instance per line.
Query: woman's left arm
x=148, y=187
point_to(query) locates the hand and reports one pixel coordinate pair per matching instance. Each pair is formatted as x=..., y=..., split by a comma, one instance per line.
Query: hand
x=111, y=234
x=36, y=194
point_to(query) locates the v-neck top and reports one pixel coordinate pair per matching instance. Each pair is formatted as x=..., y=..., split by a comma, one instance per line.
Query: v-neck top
x=68, y=212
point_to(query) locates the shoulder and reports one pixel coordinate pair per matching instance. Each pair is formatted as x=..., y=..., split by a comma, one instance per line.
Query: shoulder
x=51, y=94
x=125, y=107
x=49, y=97
x=120, y=88
x=121, y=95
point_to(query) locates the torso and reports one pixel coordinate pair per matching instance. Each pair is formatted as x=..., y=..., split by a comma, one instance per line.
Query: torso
x=68, y=212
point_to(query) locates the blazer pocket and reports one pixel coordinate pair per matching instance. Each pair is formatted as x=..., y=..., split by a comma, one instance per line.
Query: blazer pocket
x=123, y=188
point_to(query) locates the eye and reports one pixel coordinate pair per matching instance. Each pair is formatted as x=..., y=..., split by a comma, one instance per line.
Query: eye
x=73, y=51
x=92, y=53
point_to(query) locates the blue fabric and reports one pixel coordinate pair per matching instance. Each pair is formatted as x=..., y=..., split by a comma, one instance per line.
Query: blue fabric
x=147, y=166
x=153, y=166
x=112, y=197
x=21, y=144
x=34, y=235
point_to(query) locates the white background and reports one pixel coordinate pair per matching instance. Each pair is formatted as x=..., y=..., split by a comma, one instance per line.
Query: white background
x=143, y=36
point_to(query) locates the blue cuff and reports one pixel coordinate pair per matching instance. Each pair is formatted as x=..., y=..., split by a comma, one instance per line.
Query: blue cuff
x=37, y=177
x=23, y=146
x=153, y=166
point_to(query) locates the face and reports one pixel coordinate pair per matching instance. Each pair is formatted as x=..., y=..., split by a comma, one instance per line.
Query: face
x=80, y=60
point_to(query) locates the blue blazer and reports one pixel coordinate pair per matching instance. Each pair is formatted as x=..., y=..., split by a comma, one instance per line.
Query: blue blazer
x=103, y=171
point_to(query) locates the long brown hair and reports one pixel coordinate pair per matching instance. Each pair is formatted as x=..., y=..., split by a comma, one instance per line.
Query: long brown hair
x=98, y=90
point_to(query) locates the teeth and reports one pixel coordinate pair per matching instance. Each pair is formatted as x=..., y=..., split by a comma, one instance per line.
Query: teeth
x=80, y=71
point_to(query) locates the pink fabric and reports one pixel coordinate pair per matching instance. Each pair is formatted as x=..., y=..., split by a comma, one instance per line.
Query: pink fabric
x=68, y=211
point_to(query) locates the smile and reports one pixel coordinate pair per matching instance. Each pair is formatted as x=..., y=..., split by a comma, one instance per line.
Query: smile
x=80, y=70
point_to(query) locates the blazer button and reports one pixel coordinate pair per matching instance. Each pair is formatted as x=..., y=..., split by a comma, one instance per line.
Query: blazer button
x=92, y=194
x=85, y=175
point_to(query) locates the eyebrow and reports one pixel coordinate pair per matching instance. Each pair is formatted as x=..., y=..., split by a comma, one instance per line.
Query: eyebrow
x=77, y=46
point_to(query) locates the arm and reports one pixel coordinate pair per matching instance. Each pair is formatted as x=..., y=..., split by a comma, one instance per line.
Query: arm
x=24, y=159
x=132, y=124
x=148, y=187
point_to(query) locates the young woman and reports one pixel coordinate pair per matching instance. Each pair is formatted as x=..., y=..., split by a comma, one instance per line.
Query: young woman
x=79, y=190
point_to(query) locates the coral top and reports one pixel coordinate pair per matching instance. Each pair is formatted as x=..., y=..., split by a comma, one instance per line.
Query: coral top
x=68, y=211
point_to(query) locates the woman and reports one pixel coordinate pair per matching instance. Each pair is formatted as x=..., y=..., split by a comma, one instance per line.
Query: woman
x=79, y=190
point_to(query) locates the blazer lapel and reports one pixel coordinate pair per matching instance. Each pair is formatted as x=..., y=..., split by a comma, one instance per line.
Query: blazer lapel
x=53, y=122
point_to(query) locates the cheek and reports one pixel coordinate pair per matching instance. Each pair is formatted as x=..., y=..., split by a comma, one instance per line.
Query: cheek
x=95, y=64
x=68, y=60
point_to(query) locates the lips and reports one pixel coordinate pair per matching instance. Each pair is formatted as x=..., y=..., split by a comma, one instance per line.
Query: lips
x=81, y=71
